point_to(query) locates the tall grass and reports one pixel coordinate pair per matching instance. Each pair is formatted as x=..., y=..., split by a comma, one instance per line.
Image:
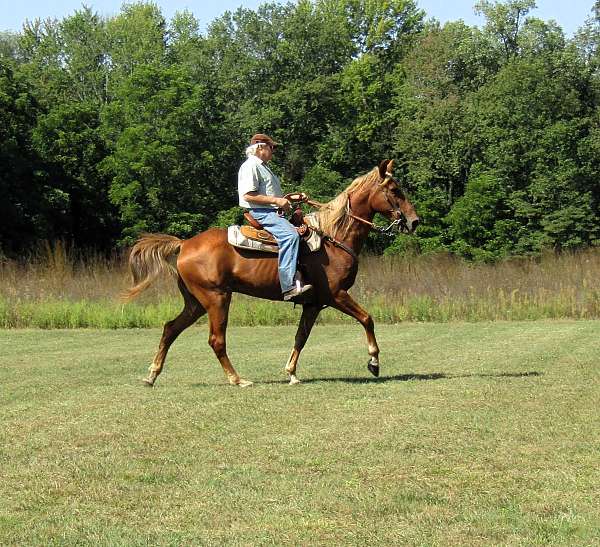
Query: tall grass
x=59, y=288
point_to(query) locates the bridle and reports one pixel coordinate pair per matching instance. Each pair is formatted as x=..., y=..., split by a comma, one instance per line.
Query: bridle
x=399, y=223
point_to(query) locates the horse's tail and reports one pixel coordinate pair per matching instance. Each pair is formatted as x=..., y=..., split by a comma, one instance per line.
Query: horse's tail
x=148, y=259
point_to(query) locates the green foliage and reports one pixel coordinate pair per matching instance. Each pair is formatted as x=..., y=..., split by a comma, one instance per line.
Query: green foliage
x=162, y=165
x=474, y=216
x=68, y=140
x=322, y=184
x=28, y=202
x=113, y=126
x=229, y=217
x=403, y=245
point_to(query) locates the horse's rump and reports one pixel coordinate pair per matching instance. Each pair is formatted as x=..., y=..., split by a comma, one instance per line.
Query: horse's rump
x=209, y=261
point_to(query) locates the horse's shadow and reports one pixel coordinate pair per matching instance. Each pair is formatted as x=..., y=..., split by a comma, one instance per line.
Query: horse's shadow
x=410, y=377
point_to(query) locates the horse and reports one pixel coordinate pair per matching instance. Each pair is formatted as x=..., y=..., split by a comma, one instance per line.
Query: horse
x=208, y=270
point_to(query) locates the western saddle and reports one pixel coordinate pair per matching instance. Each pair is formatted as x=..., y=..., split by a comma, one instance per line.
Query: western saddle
x=254, y=229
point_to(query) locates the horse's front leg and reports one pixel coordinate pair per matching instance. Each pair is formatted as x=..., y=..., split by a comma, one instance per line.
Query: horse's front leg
x=307, y=320
x=345, y=303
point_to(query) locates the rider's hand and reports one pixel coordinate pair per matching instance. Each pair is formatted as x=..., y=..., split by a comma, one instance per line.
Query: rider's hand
x=283, y=204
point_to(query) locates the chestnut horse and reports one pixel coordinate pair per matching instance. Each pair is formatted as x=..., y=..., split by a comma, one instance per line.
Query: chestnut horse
x=209, y=270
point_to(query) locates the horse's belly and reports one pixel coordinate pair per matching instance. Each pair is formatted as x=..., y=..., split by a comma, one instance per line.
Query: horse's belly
x=210, y=262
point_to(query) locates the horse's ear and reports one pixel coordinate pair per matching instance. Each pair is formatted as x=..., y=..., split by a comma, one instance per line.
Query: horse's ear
x=383, y=168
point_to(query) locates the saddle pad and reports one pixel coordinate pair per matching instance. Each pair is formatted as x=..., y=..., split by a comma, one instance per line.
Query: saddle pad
x=236, y=237
x=246, y=237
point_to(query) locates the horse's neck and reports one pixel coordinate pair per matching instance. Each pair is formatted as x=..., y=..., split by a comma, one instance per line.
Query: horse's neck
x=357, y=232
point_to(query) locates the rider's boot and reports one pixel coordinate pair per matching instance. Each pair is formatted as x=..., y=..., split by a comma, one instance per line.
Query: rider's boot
x=299, y=288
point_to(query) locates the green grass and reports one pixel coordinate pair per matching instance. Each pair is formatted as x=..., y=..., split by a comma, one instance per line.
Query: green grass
x=246, y=311
x=475, y=434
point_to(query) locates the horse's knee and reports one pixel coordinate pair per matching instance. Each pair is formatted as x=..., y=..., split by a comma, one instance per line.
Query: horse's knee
x=217, y=343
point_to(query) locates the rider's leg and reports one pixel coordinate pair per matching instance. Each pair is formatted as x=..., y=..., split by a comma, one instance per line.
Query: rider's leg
x=288, y=240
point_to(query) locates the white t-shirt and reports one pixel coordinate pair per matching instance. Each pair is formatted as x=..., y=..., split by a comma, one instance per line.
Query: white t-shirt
x=255, y=176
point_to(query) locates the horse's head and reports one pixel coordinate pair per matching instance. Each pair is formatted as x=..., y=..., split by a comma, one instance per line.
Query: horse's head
x=389, y=199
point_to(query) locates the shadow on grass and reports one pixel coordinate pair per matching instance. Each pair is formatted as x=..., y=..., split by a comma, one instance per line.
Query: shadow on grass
x=396, y=378
x=409, y=377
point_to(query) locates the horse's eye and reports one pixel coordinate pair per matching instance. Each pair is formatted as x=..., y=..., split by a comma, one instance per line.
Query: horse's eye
x=398, y=192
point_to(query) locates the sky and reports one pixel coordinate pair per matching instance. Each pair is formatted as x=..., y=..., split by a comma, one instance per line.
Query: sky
x=570, y=14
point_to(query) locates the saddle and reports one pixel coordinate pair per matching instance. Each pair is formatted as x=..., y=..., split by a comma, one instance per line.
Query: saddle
x=254, y=229
x=254, y=236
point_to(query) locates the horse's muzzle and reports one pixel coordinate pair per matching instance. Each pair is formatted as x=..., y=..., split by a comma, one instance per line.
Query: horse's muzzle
x=411, y=224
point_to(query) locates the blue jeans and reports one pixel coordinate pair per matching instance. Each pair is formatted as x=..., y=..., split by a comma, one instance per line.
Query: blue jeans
x=288, y=240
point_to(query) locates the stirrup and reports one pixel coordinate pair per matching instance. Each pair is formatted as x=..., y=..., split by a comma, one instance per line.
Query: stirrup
x=296, y=291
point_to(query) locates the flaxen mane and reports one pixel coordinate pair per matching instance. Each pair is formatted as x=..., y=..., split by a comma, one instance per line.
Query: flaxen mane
x=332, y=216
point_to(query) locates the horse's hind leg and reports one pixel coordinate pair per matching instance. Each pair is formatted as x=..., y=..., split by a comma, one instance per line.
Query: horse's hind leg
x=307, y=320
x=217, y=305
x=191, y=312
x=345, y=303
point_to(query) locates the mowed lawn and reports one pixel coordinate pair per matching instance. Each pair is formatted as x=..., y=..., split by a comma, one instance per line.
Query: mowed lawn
x=475, y=434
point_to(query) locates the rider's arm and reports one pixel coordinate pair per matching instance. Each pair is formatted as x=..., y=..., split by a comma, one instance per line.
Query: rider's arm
x=259, y=199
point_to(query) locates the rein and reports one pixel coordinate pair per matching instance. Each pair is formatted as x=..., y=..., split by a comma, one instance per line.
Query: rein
x=339, y=244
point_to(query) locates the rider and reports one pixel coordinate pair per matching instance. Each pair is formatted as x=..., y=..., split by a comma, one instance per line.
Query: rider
x=259, y=191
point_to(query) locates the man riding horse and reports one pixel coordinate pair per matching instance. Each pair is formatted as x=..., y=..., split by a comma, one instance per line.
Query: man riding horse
x=260, y=193
x=209, y=269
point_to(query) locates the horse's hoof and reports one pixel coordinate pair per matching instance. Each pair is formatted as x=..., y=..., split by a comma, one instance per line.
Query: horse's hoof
x=148, y=383
x=293, y=380
x=244, y=383
x=373, y=369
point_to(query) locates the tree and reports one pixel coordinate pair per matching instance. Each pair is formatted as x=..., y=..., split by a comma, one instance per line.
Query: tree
x=505, y=21
x=164, y=154
x=69, y=142
x=28, y=204
x=136, y=38
x=85, y=61
x=528, y=126
x=480, y=220
x=8, y=45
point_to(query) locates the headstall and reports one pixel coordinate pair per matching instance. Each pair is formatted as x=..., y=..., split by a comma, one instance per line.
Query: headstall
x=399, y=223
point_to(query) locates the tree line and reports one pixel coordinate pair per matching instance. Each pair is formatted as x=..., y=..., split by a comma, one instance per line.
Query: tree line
x=114, y=126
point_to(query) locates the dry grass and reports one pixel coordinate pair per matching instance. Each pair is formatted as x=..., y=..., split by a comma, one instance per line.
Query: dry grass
x=59, y=288
x=442, y=275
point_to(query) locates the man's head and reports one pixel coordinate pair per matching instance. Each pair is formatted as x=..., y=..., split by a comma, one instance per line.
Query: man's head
x=262, y=146
x=262, y=138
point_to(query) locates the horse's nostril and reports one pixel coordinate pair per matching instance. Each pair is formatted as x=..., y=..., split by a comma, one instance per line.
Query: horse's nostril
x=414, y=224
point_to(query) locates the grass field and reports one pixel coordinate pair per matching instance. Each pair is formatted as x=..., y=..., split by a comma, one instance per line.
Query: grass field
x=475, y=434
